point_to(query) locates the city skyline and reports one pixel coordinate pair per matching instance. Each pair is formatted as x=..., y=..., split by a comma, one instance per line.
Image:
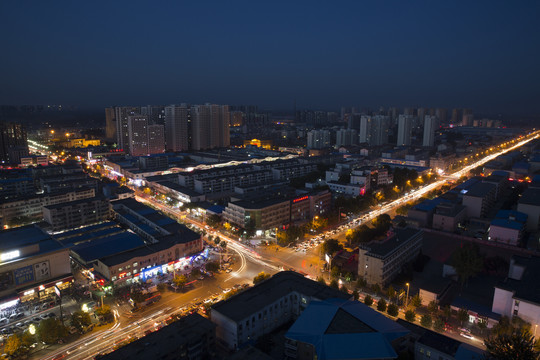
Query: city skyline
x=466, y=55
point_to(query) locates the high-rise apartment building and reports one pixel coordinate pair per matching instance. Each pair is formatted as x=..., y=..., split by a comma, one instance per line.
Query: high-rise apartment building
x=210, y=126
x=138, y=135
x=345, y=137
x=155, y=114
x=122, y=133
x=405, y=123
x=13, y=143
x=178, y=127
x=431, y=124
x=318, y=139
x=110, y=124
x=156, y=139
x=374, y=129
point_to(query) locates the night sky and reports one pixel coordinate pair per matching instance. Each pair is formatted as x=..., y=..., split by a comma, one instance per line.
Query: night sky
x=483, y=55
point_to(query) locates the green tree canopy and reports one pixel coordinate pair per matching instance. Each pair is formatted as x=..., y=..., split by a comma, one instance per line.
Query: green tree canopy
x=331, y=246
x=212, y=266
x=334, y=284
x=260, y=277
x=13, y=345
x=392, y=310
x=426, y=321
x=180, y=281
x=516, y=345
x=213, y=221
x=105, y=313
x=368, y=300
x=381, y=305
x=80, y=320
x=467, y=262
x=51, y=330
x=410, y=316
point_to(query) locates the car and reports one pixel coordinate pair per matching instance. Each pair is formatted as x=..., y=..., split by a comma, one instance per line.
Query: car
x=20, y=326
x=4, y=321
x=228, y=270
x=51, y=315
x=44, y=316
x=36, y=320
x=466, y=335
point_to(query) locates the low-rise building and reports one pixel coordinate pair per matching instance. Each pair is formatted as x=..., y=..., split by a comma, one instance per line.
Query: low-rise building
x=448, y=216
x=77, y=213
x=479, y=199
x=30, y=207
x=268, y=305
x=508, y=227
x=519, y=294
x=31, y=264
x=347, y=189
x=340, y=329
x=191, y=337
x=529, y=203
x=380, y=261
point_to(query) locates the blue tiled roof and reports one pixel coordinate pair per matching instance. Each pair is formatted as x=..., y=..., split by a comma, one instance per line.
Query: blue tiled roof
x=107, y=246
x=506, y=223
x=506, y=214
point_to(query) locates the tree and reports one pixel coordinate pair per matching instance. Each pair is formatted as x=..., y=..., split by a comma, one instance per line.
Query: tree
x=80, y=320
x=335, y=271
x=462, y=316
x=390, y=292
x=213, y=221
x=382, y=223
x=13, y=345
x=381, y=305
x=212, y=266
x=416, y=300
x=438, y=325
x=321, y=280
x=260, y=277
x=344, y=289
x=433, y=307
x=51, y=330
x=331, y=246
x=360, y=283
x=334, y=284
x=376, y=288
x=180, y=281
x=368, y=300
x=392, y=310
x=410, y=316
x=223, y=244
x=104, y=312
x=447, y=312
x=426, y=321
x=217, y=240
x=355, y=295
x=251, y=228
x=467, y=262
x=517, y=345
x=195, y=273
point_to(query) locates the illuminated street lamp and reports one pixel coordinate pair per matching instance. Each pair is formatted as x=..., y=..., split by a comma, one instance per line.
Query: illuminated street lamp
x=32, y=329
x=85, y=308
x=407, y=298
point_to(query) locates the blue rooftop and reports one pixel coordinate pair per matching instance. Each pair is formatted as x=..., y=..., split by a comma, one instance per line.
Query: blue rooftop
x=216, y=209
x=340, y=329
x=512, y=214
x=506, y=223
x=429, y=205
x=107, y=246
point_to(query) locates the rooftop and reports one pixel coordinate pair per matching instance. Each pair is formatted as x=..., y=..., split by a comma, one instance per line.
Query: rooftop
x=27, y=235
x=165, y=343
x=269, y=291
x=528, y=288
x=341, y=329
x=530, y=197
x=512, y=214
x=507, y=223
x=392, y=243
x=480, y=190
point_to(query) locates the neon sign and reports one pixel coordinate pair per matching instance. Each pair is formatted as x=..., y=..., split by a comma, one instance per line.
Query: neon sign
x=300, y=199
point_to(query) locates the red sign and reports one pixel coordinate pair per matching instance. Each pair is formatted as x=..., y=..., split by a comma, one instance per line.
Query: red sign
x=300, y=199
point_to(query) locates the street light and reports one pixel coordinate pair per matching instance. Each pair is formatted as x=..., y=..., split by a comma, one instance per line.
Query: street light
x=407, y=298
x=32, y=329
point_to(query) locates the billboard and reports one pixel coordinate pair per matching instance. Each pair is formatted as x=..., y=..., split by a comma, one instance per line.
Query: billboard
x=42, y=270
x=23, y=275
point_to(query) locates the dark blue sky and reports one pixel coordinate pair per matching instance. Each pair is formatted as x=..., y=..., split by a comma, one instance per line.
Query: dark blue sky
x=483, y=55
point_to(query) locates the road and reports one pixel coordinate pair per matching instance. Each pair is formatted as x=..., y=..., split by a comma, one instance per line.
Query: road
x=269, y=259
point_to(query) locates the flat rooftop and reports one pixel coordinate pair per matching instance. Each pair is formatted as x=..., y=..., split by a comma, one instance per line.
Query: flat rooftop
x=165, y=343
x=385, y=247
x=271, y=290
x=530, y=197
